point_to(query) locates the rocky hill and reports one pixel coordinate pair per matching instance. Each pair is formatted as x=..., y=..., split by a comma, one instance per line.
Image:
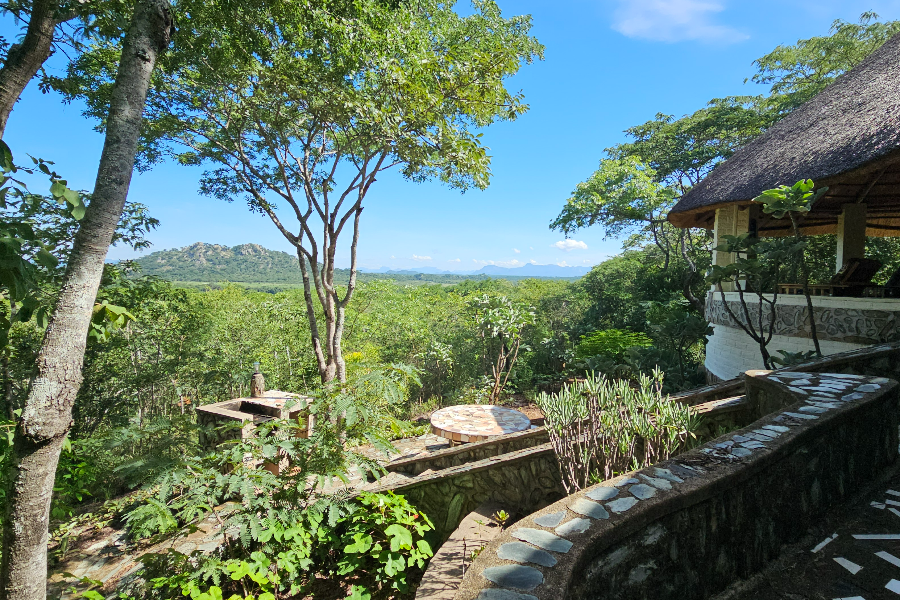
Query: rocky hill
x=213, y=263
x=270, y=270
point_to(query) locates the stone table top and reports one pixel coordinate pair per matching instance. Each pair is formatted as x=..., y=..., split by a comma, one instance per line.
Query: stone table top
x=477, y=422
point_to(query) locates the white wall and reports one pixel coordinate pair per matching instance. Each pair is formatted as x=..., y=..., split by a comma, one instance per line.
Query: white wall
x=730, y=351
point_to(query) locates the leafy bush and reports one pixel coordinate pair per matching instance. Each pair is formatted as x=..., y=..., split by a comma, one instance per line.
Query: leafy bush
x=599, y=428
x=281, y=520
x=610, y=344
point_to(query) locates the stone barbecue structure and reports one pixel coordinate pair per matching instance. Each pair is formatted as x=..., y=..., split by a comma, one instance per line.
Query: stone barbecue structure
x=248, y=413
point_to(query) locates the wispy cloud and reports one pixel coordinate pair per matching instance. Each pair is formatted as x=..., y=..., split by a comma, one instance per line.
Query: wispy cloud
x=517, y=251
x=674, y=21
x=456, y=260
x=420, y=258
x=569, y=245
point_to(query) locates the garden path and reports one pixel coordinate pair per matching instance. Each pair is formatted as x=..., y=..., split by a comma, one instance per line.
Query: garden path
x=853, y=555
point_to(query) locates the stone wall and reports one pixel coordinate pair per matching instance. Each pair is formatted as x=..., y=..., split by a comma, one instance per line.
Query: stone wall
x=520, y=482
x=520, y=471
x=465, y=453
x=689, y=527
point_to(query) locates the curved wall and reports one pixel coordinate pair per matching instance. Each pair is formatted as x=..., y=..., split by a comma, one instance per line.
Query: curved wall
x=688, y=528
x=842, y=324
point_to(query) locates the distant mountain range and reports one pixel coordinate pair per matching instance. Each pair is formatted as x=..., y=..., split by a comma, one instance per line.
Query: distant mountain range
x=254, y=264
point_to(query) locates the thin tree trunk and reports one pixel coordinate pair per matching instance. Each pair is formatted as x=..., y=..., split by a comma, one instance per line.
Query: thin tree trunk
x=47, y=416
x=804, y=275
x=25, y=58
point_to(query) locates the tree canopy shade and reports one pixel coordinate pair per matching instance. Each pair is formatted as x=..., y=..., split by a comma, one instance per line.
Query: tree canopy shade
x=296, y=107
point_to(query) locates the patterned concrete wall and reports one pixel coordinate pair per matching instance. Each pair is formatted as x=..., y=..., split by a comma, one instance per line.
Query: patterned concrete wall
x=842, y=324
x=688, y=528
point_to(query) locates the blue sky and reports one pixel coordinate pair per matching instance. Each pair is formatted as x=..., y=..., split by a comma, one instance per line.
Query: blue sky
x=609, y=64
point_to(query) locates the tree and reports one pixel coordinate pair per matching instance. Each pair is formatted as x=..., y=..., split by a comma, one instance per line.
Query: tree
x=48, y=26
x=500, y=323
x=330, y=97
x=25, y=58
x=789, y=201
x=639, y=181
x=47, y=415
x=799, y=72
x=756, y=270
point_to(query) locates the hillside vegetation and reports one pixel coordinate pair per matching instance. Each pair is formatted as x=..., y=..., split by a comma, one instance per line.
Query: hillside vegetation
x=256, y=267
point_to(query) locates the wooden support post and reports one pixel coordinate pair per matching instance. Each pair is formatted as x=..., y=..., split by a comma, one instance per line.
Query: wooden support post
x=851, y=234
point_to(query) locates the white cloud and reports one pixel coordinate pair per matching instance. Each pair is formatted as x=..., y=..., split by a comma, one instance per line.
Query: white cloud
x=420, y=258
x=532, y=261
x=392, y=256
x=562, y=263
x=456, y=260
x=531, y=247
x=673, y=21
x=517, y=251
x=569, y=245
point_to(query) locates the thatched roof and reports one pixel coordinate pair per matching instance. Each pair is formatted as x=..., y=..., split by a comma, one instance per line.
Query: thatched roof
x=846, y=137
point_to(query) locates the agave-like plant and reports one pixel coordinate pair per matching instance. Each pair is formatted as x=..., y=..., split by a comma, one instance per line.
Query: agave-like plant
x=600, y=428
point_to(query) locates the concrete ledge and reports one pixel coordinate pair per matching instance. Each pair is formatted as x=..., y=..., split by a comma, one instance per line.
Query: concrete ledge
x=689, y=527
x=458, y=455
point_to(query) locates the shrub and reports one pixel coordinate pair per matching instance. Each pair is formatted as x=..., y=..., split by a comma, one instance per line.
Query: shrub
x=599, y=428
x=611, y=344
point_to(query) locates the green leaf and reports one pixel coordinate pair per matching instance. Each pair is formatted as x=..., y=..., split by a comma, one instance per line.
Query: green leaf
x=72, y=197
x=358, y=592
x=44, y=258
x=78, y=212
x=6, y=157
x=58, y=188
x=401, y=537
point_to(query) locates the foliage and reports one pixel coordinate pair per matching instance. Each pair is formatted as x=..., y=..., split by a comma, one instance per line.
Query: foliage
x=797, y=73
x=610, y=343
x=284, y=520
x=792, y=201
x=500, y=324
x=600, y=428
x=305, y=105
x=757, y=269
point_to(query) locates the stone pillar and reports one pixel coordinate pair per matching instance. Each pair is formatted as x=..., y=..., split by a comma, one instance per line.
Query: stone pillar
x=257, y=384
x=851, y=234
x=730, y=220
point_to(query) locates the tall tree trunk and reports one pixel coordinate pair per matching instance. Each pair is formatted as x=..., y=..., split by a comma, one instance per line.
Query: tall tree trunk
x=47, y=416
x=25, y=58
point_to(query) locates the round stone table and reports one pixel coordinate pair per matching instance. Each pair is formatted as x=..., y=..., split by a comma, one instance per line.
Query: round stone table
x=476, y=422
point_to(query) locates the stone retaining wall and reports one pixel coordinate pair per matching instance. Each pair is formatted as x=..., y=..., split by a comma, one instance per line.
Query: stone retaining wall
x=465, y=453
x=690, y=527
x=520, y=482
